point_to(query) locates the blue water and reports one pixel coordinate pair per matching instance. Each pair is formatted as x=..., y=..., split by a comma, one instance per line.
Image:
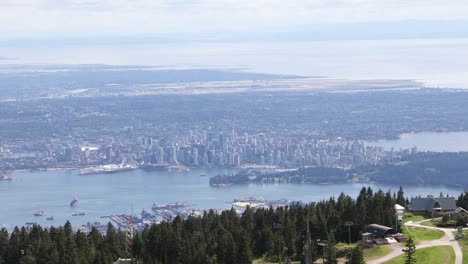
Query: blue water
x=427, y=141
x=108, y=194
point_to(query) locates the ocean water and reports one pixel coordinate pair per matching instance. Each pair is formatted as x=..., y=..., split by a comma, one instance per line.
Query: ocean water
x=106, y=194
x=435, y=62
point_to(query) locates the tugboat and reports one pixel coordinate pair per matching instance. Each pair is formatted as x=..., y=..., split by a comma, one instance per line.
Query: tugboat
x=40, y=213
x=74, y=202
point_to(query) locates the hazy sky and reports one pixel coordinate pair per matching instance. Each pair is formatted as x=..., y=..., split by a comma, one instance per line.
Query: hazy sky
x=91, y=18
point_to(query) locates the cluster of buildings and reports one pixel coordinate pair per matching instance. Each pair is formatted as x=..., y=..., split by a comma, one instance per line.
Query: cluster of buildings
x=429, y=206
x=199, y=148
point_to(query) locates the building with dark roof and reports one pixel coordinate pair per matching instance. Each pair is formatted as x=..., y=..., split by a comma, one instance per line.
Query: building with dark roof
x=457, y=213
x=432, y=206
x=380, y=230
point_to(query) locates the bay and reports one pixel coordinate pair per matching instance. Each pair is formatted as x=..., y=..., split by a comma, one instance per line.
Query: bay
x=427, y=141
x=107, y=194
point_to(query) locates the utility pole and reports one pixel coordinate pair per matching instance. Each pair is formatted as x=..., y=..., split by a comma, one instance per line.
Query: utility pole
x=129, y=230
x=349, y=224
x=307, y=245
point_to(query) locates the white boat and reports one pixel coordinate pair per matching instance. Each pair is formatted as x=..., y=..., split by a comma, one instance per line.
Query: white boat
x=4, y=178
x=40, y=213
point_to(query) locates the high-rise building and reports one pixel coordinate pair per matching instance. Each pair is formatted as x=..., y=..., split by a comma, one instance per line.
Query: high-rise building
x=195, y=157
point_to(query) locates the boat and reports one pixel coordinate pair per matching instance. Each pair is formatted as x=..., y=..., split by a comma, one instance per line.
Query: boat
x=40, y=213
x=74, y=202
x=31, y=223
x=50, y=218
x=4, y=178
x=111, y=168
x=78, y=214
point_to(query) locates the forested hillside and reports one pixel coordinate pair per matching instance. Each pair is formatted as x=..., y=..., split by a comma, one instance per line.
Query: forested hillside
x=224, y=237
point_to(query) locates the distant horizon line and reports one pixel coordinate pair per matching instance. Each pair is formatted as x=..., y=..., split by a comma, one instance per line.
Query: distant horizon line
x=389, y=30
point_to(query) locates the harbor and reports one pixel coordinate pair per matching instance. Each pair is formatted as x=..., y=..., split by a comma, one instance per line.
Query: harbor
x=157, y=214
x=167, y=212
x=162, y=212
x=116, y=194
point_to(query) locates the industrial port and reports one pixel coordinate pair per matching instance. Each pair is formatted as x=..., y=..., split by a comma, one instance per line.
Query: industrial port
x=167, y=212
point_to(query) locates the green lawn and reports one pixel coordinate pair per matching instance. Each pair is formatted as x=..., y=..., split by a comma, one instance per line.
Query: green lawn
x=376, y=252
x=464, y=246
x=419, y=234
x=430, y=255
x=432, y=223
x=414, y=218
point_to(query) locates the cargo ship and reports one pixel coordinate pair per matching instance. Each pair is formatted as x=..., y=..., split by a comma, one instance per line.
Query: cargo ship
x=112, y=168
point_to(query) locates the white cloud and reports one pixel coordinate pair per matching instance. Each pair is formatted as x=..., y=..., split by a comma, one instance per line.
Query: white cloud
x=25, y=18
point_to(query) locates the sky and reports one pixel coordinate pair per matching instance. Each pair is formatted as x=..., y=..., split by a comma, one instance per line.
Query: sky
x=43, y=20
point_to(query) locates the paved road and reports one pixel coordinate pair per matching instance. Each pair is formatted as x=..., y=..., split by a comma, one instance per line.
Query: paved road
x=447, y=240
x=396, y=251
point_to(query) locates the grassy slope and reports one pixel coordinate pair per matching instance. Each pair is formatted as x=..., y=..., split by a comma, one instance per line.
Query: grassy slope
x=413, y=218
x=376, y=252
x=430, y=255
x=419, y=234
x=432, y=223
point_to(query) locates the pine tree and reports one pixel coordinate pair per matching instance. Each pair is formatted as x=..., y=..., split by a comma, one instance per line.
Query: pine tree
x=112, y=242
x=409, y=251
x=244, y=250
x=279, y=248
x=401, y=197
x=227, y=251
x=331, y=249
x=15, y=248
x=356, y=257
x=3, y=244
